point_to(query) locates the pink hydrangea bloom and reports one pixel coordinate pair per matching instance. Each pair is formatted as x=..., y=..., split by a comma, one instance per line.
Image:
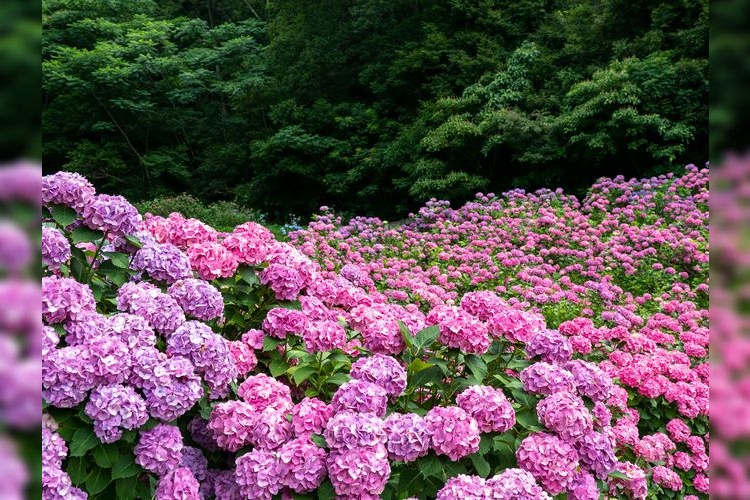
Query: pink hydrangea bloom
x=453, y=432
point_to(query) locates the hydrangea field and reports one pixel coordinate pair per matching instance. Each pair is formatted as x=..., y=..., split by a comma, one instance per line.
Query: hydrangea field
x=522, y=346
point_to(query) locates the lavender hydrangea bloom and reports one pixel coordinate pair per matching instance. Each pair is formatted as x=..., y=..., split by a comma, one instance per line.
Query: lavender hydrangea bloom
x=66, y=377
x=302, y=465
x=87, y=326
x=134, y=330
x=453, y=432
x=552, y=461
x=163, y=262
x=201, y=434
x=566, y=415
x=193, y=459
x=361, y=397
x=67, y=188
x=55, y=248
x=383, y=371
x=491, y=409
x=261, y=392
x=583, y=487
x=114, y=408
x=348, y=430
x=546, y=378
x=258, y=474
x=408, y=436
x=198, y=298
x=108, y=360
x=596, y=451
x=179, y=484
x=111, y=214
x=232, y=424
x=515, y=484
x=272, y=429
x=176, y=388
x=590, y=380
x=463, y=487
x=549, y=345
x=65, y=299
x=359, y=473
x=147, y=301
x=159, y=450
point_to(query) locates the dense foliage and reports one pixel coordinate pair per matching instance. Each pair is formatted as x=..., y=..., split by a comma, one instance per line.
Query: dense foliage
x=521, y=346
x=370, y=106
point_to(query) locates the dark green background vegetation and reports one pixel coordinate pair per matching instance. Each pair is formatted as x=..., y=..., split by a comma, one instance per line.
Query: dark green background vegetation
x=370, y=106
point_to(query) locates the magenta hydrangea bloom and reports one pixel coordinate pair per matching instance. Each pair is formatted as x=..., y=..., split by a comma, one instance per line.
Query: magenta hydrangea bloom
x=198, y=298
x=261, y=392
x=678, y=430
x=232, y=424
x=515, y=484
x=482, y=304
x=147, y=301
x=463, y=487
x=249, y=242
x=254, y=338
x=460, y=330
x=173, y=388
x=383, y=371
x=211, y=260
x=243, y=357
x=565, y=414
x=596, y=452
x=272, y=429
x=514, y=325
x=87, y=326
x=453, y=432
x=67, y=188
x=546, y=378
x=667, y=478
x=114, y=408
x=550, y=346
x=348, y=430
x=359, y=473
x=162, y=262
x=258, y=474
x=551, y=461
x=360, y=397
x=159, y=449
x=636, y=484
x=408, y=436
x=310, y=416
x=65, y=299
x=281, y=321
x=590, y=380
x=133, y=330
x=322, y=336
x=583, y=487
x=66, y=376
x=111, y=214
x=55, y=248
x=491, y=409
x=178, y=484
x=302, y=465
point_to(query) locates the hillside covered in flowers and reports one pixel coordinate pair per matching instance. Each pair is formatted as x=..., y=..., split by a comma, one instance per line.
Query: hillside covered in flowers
x=521, y=346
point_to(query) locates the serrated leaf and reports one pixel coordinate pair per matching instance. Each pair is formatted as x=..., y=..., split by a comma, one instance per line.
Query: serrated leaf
x=85, y=234
x=83, y=440
x=427, y=336
x=248, y=275
x=269, y=344
x=134, y=241
x=325, y=491
x=408, y=483
x=64, y=216
x=431, y=375
x=430, y=466
x=79, y=470
x=319, y=440
x=338, y=379
x=97, y=481
x=105, y=455
x=528, y=420
x=618, y=475
x=278, y=367
x=405, y=333
x=126, y=488
x=119, y=259
x=477, y=366
x=302, y=373
x=481, y=465
x=125, y=467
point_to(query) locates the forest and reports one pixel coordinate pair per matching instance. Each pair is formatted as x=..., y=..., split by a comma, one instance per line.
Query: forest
x=370, y=106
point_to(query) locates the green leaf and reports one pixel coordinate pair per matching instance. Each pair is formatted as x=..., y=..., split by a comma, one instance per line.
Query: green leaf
x=64, y=216
x=134, y=241
x=325, y=491
x=430, y=466
x=618, y=475
x=83, y=440
x=248, y=275
x=319, y=440
x=84, y=234
x=105, y=455
x=477, y=366
x=405, y=334
x=433, y=375
x=338, y=378
x=97, y=481
x=528, y=420
x=125, y=467
x=278, y=367
x=480, y=464
x=408, y=483
x=127, y=488
x=427, y=336
x=302, y=373
x=78, y=470
x=269, y=344
x=418, y=365
x=121, y=260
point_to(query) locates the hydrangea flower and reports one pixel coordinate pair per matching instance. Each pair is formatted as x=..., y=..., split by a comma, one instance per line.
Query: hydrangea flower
x=460, y=330
x=133, y=330
x=550, y=346
x=463, y=487
x=678, y=430
x=210, y=260
x=280, y=321
x=243, y=357
x=566, y=415
x=173, y=390
x=590, y=380
x=114, y=408
x=272, y=429
x=349, y=430
x=194, y=459
x=359, y=473
x=310, y=416
x=66, y=376
x=159, y=449
x=111, y=214
x=551, y=461
x=546, y=378
x=383, y=371
x=667, y=478
x=261, y=392
x=147, y=301
x=360, y=397
x=162, y=262
x=322, y=336
x=68, y=189
x=583, y=487
x=198, y=299
x=64, y=299
x=491, y=409
x=515, y=484
x=258, y=474
x=408, y=436
x=55, y=248
x=302, y=465
x=178, y=484
x=453, y=432
x=87, y=326
x=635, y=485
x=596, y=452
x=232, y=424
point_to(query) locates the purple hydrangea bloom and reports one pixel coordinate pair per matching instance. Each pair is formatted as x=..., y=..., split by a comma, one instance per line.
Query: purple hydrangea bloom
x=87, y=326
x=179, y=484
x=15, y=248
x=552, y=461
x=175, y=389
x=134, y=330
x=261, y=392
x=463, y=487
x=55, y=248
x=323, y=336
x=583, y=487
x=66, y=377
x=491, y=409
x=232, y=424
x=348, y=430
x=359, y=473
x=515, y=484
x=453, y=432
x=272, y=429
x=565, y=414
x=111, y=214
x=114, y=408
x=383, y=371
x=549, y=345
x=281, y=321
x=65, y=299
x=201, y=434
x=108, y=360
x=310, y=416
x=302, y=465
x=408, y=436
x=258, y=474
x=198, y=298
x=596, y=451
x=67, y=188
x=147, y=301
x=193, y=459
x=163, y=262
x=360, y=397
x=590, y=380
x=546, y=378
x=159, y=450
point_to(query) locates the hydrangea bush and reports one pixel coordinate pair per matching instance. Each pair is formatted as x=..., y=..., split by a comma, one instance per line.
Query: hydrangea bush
x=526, y=346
